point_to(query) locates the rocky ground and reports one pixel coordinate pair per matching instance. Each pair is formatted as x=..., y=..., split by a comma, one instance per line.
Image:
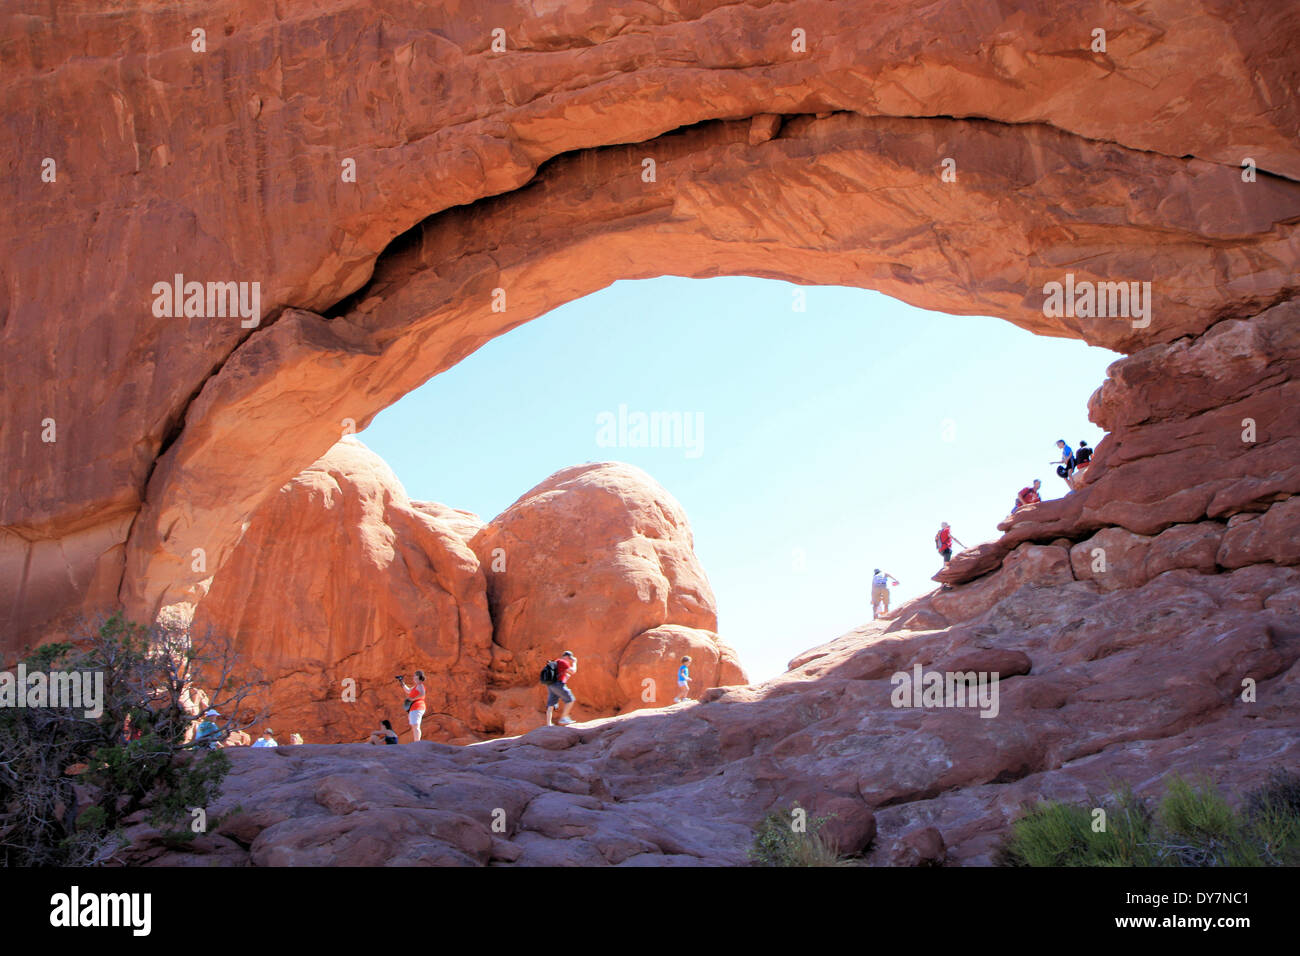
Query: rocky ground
x=1097, y=687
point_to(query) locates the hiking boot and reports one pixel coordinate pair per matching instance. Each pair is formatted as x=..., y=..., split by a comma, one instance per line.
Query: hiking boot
x=566, y=720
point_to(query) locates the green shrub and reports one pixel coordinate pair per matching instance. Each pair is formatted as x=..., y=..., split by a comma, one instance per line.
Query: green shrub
x=1061, y=834
x=777, y=843
x=1194, y=825
x=69, y=782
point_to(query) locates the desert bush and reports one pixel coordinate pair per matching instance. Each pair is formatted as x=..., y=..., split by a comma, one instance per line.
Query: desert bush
x=1193, y=825
x=777, y=843
x=70, y=782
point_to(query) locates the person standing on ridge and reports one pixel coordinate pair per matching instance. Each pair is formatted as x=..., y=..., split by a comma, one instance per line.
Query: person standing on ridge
x=1065, y=465
x=414, y=702
x=683, y=681
x=943, y=542
x=563, y=667
x=880, y=592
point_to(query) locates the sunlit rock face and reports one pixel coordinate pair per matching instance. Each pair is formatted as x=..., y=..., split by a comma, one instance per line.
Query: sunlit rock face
x=401, y=192
x=600, y=560
x=342, y=582
x=822, y=143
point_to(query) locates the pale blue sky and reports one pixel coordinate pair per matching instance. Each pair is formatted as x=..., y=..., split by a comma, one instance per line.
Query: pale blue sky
x=832, y=441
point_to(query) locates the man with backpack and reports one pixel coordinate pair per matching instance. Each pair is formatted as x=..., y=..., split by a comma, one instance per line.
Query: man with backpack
x=943, y=542
x=555, y=675
x=880, y=592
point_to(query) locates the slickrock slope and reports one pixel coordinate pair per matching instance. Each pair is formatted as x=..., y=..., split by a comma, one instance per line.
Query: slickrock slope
x=1096, y=687
x=803, y=140
x=341, y=578
x=599, y=559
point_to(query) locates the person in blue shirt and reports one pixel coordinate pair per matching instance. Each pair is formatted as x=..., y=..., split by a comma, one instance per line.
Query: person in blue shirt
x=880, y=592
x=207, y=732
x=1065, y=466
x=683, y=681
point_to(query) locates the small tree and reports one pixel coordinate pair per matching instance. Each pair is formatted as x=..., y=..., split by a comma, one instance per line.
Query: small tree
x=69, y=782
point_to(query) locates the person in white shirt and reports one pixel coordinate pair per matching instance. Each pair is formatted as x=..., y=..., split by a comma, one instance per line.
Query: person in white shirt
x=880, y=592
x=266, y=740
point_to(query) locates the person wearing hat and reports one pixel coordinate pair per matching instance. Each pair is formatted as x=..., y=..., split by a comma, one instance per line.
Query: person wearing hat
x=266, y=740
x=880, y=592
x=206, y=734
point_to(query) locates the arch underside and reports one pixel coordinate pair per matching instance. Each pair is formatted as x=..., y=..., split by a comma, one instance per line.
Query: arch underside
x=526, y=173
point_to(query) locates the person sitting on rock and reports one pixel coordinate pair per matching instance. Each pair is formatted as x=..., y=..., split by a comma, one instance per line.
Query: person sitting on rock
x=1027, y=496
x=943, y=542
x=683, y=681
x=266, y=740
x=1065, y=464
x=414, y=703
x=880, y=592
x=566, y=665
x=384, y=735
x=1081, y=459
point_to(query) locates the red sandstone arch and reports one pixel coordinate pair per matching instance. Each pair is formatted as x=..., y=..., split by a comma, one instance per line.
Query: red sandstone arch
x=523, y=171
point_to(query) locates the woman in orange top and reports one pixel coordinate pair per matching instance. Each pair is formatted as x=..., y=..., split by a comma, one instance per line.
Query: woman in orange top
x=415, y=694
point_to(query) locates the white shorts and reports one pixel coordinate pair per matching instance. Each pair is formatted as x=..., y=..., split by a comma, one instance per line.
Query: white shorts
x=415, y=716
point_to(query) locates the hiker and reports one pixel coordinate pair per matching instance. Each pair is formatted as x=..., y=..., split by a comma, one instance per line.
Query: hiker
x=563, y=667
x=384, y=735
x=266, y=740
x=131, y=730
x=943, y=542
x=1081, y=458
x=414, y=702
x=206, y=734
x=1027, y=496
x=295, y=740
x=880, y=592
x=683, y=681
x=1065, y=465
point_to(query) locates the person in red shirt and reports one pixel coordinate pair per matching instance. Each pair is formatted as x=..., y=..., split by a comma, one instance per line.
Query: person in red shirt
x=943, y=542
x=566, y=665
x=1027, y=496
x=415, y=694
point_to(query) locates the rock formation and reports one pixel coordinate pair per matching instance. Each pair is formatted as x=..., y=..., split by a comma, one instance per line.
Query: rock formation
x=380, y=176
x=395, y=192
x=599, y=560
x=341, y=582
x=1094, y=687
